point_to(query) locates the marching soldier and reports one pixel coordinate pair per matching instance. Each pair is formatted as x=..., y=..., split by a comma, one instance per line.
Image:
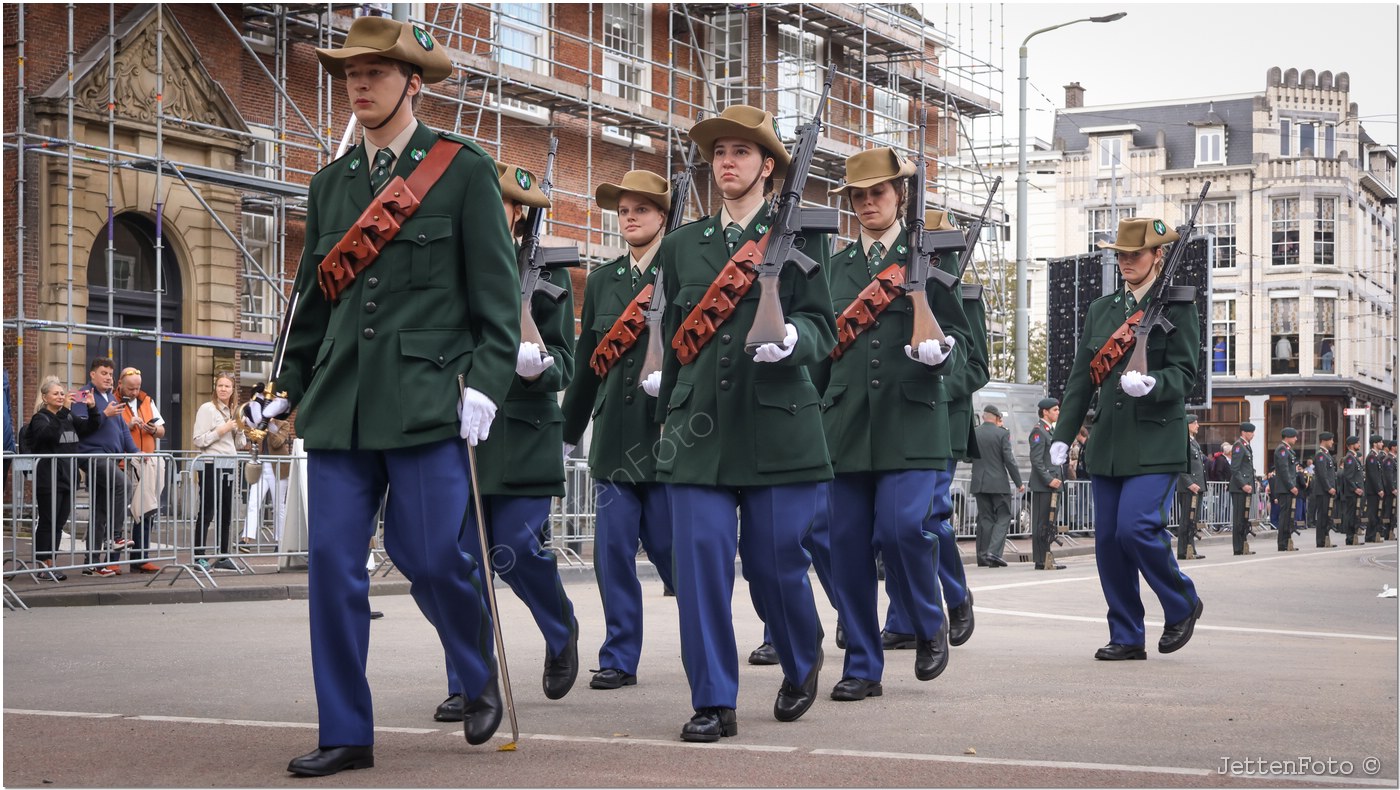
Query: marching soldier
x=1324, y=489
x=1352, y=482
x=887, y=442
x=1377, y=483
x=521, y=470
x=1285, y=488
x=1242, y=480
x=1190, y=488
x=1140, y=444
x=608, y=360
x=392, y=363
x=770, y=458
x=1046, y=478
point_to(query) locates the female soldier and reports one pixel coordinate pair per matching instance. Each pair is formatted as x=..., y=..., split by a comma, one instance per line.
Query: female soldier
x=612, y=344
x=886, y=420
x=521, y=470
x=1139, y=446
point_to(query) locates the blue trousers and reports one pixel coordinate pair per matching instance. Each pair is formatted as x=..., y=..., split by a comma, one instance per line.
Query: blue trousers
x=628, y=514
x=428, y=490
x=951, y=574
x=516, y=529
x=818, y=545
x=884, y=512
x=1130, y=537
x=706, y=534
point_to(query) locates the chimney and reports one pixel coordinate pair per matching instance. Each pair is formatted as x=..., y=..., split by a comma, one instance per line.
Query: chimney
x=1074, y=95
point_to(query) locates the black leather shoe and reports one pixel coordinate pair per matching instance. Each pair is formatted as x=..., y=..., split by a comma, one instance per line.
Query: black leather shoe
x=376, y=615
x=450, y=709
x=710, y=724
x=561, y=671
x=1199, y=557
x=893, y=640
x=853, y=689
x=932, y=657
x=981, y=560
x=329, y=760
x=1176, y=635
x=792, y=701
x=995, y=562
x=764, y=655
x=482, y=716
x=1056, y=567
x=1112, y=652
x=840, y=635
x=612, y=679
x=960, y=622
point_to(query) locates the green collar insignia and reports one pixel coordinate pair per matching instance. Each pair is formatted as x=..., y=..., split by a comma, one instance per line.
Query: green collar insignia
x=710, y=231
x=355, y=163
x=417, y=154
x=901, y=249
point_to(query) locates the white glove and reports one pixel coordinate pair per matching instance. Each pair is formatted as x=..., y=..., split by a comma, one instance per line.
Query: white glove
x=772, y=352
x=276, y=407
x=252, y=413
x=1135, y=384
x=931, y=352
x=1059, y=453
x=568, y=451
x=476, y=412
x=531, y=361
x=651, y=385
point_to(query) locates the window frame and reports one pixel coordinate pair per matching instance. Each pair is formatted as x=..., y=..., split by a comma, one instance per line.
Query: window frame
x=1290, y=223
x=1328, y=337
x=1229, y=325
x=796, y=105
x=1324, y=231
x=1104, y=233
x=540, y=59
x=1279, y=332
x=1110, y=149
x=1205, y=134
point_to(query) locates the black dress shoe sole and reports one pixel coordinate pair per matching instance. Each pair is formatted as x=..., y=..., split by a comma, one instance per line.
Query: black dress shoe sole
x=1138, y=654
x=726, y=730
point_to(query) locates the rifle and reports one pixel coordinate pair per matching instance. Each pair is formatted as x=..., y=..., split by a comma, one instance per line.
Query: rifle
x=923, y=245
x=1155, y=314
x=682, y=184
x=768, y=323
x=1051, y=530
x=533, y=259
x=974, y=231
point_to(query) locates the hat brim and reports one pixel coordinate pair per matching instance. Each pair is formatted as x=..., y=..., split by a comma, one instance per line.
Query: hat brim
x=905, y=171
x=608, y=195
x=333, y=61
x=1104, y=245
x=706, y=132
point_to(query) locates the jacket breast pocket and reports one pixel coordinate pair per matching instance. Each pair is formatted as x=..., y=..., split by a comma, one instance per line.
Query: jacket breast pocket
x=429, y=363
x=924, y=430
x=1161, y=439
x=412, y=252
x=788, y=431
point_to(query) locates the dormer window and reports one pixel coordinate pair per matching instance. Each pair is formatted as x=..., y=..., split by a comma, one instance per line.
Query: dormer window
x=1110, y=152
x=1210, y=145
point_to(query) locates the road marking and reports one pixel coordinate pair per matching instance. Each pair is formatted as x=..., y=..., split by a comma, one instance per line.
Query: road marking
x=1199, y=626
x=70, y=713
x=747, y=747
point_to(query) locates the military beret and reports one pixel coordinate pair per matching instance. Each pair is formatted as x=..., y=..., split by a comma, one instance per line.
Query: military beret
x=1289, y=433
x=991, y=409
x=1190, y=418
x=1390, y=443
x=1375, y=437
x=1353, y=439
x=1326, y=436
x=1047, y=403
x=1247, y=427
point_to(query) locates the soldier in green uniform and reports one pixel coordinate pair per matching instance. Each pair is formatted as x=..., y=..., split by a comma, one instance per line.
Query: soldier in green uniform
x=612, y=343
x=1377, y=484
x=1190, y=489
x=741, y=433
x=392, y=362
x=1046, y=478
x=1352, y=483
x=1285, y=488
x=1242, y=482
x=886, y=419
x=1139, y=444
x=1324, y=488
x=521, y=469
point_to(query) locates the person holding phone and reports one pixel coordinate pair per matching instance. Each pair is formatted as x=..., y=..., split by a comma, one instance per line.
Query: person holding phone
x=54, y=430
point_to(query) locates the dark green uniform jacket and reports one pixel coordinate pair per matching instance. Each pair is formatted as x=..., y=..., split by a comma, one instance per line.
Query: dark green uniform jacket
x=379, y=369
x=1324, y=473
x=624, y=417
x=967, y=380
x=1241, y=466
x=1042, y=471
x=524, y=455
x=1285, y=468
x=728, y=420
x=1352, y=476
x=1196, y=471
x=1134, y=436
x=882, y=410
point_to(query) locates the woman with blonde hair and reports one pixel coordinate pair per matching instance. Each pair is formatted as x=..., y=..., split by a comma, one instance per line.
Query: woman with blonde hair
x=216, y=433
x=54, y=430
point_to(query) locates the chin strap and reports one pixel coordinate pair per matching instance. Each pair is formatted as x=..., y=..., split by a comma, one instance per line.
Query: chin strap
x=402, y=96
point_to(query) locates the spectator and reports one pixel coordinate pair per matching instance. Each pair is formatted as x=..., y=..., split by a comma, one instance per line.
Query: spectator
x=216, y=433
x=54, y=430
x=1218, y=470
x=989, y=486
x=271, y=479
x=105, y=479
x=147, y=474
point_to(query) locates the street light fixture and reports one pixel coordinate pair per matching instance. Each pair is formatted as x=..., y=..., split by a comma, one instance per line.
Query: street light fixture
x=1022, y=276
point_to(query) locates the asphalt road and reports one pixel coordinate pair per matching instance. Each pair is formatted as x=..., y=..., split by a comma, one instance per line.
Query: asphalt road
x=1295, y=658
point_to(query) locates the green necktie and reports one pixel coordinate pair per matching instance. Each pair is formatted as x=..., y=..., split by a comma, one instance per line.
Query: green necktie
x=1132, y=303
x=732, y=232
x=877, y=256
x=383, y=162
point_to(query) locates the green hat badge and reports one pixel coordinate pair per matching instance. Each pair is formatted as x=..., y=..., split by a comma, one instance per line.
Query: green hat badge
x=522, y=177
x=424, y=40
x=1159, y=227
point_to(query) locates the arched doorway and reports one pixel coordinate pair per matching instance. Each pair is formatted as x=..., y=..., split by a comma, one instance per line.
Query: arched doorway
x=132, y=284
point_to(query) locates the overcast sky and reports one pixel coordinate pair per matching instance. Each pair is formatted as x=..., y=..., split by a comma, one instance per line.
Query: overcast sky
x=1162, y=52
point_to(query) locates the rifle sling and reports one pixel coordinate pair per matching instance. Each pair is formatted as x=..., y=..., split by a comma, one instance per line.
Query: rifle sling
x=381, y=221
x=624, y=333
x=720, y=301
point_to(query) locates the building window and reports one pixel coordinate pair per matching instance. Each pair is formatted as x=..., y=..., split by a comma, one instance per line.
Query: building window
x=1283, y=338
x=1103, y=224
x=612, y=230
x=1329, y=137
x=1217, y=218
x=1110, y=152
x=800, y=71
x=889, y=123
x=727, y=57
x=625, y=72
x=521, y=42
x=1325, y=231
x=1222, y=332
x=1210, y=146
x=1307, y=139
x=1283, y=222
x=1325, y=335
x=1285, y=138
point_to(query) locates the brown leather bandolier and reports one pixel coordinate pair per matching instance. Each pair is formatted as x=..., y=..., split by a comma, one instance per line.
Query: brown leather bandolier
x=381, y=221
x=861, y=313
x=1114, y=350
x=623, y=335
x=720, y=300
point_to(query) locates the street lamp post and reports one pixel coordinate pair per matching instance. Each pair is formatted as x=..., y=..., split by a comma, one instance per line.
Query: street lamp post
x=1022, y=275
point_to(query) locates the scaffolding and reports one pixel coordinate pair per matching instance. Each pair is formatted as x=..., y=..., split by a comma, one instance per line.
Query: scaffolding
x=519, y=69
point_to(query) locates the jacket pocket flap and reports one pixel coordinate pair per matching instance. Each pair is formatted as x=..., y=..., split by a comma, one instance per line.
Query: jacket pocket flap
x=919, y=392
x=535, y=413
x=788, y=396
x=426, y=230
x=679, y=395
x=438, y=346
